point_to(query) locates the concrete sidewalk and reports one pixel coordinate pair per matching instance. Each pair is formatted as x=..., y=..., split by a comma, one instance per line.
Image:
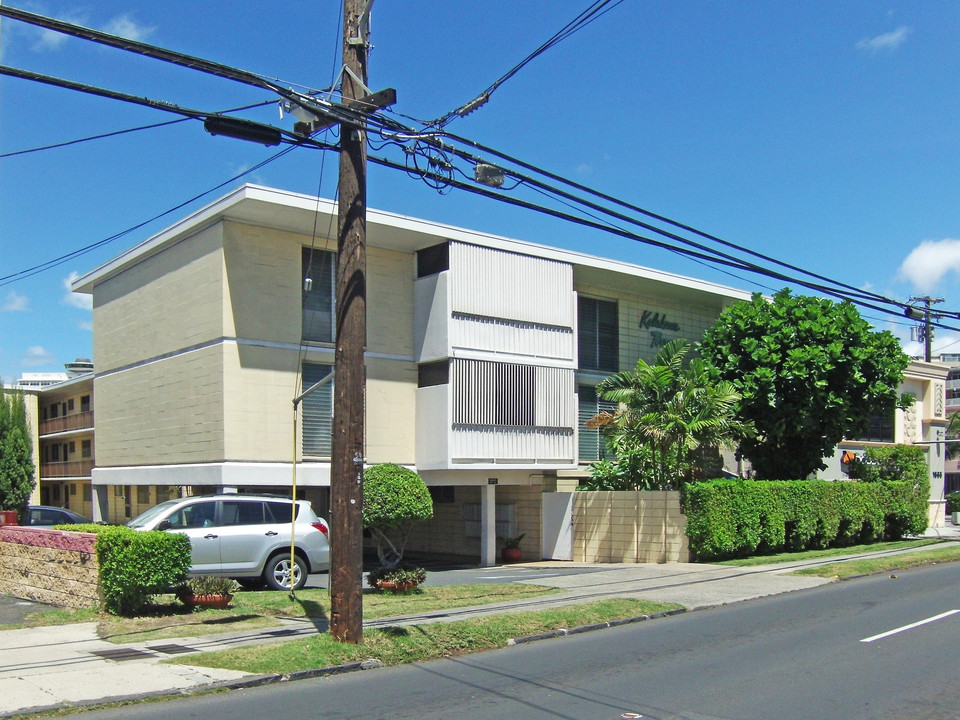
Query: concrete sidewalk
x=69, y=665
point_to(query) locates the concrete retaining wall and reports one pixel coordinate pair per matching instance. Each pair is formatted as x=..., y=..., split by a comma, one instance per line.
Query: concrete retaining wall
x=629, y=527
x=49, y=566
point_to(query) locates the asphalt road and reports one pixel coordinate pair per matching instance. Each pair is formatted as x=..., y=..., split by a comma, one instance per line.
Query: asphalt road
x=878, y=647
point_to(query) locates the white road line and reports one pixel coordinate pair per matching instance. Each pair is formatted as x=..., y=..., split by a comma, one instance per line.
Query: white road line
x=910, y=626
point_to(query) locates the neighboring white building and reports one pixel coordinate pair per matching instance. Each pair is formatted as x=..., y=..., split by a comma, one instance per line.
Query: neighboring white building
x=923, y=423
x=36, y=381
x=482, y=355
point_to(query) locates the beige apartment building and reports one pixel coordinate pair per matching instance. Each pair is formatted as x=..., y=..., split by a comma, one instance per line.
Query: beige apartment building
x=481, y=358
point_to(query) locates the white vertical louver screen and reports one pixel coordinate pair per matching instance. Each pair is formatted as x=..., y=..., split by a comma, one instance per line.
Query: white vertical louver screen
x=511, y=395
x=496, y=283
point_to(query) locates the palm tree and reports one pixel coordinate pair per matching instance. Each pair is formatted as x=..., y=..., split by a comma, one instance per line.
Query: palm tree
x=670, y=410
x=952, y=432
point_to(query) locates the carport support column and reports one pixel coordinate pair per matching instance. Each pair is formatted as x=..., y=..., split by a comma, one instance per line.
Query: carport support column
x=101, y=510
x=488, y=525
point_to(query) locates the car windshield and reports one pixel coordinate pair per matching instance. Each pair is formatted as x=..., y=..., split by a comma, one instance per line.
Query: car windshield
x=145, y=518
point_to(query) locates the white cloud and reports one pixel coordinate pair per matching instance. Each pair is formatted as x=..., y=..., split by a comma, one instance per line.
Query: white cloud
x=125, y=26
x=927, y=263
x=14, y=303
x=36, y=355
x=888, y=42
x=945, y=341
x=48, y=40
x=82, y=301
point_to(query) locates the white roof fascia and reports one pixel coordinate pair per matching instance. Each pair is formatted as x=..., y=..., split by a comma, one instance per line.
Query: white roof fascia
x=422, y=233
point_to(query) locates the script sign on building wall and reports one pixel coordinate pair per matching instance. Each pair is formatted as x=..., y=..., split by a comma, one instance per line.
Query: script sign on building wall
x=656, y=323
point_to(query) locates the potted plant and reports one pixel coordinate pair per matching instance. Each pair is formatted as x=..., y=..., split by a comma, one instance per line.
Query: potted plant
x=397, y=579
x=206, y=591
x=511, y=549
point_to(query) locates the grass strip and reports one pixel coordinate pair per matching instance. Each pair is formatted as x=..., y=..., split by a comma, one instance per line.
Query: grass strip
x=865, y=566
x=415, y=643
x=829, y=552
x=252, y=610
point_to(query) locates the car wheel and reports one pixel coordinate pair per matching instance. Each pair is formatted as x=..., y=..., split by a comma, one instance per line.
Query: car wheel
x=277, y=572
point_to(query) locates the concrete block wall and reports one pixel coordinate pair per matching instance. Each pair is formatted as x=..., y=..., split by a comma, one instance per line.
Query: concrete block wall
x=49, y=566
x=639, y=527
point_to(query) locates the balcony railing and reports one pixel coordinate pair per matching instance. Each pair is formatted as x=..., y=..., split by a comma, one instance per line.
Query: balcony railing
x=77, y=421
x=71, y=468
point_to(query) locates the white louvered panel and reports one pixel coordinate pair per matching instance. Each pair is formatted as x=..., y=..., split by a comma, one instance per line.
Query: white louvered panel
x=556, y=399
x=508, y=394
x=504, y=445
x=502, y=336
x=496, y=283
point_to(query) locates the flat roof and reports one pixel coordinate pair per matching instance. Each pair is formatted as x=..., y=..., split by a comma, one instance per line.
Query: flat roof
x=297, y=213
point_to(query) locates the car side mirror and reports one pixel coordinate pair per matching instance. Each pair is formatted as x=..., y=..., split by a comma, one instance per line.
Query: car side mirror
x=164, y=525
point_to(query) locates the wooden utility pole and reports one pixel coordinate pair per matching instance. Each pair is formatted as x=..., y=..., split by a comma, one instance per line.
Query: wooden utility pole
x=925, y=330
x=346, y=466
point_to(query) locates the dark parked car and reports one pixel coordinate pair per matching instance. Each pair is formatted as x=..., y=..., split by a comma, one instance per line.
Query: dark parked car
x=47, y=516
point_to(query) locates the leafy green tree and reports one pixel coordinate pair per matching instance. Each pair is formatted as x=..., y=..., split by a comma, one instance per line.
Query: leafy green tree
x=666, y=413
x=16, y=459
x=810, y=372
x=394, y=497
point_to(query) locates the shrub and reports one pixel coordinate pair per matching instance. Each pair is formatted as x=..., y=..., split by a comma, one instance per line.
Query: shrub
x=403, y=579
x=135, y=565
x=394, y=497
x=737, y=518
x=953, y=502
x=208, y=585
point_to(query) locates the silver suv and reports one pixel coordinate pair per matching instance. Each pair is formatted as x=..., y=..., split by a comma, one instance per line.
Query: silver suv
x=246, y=537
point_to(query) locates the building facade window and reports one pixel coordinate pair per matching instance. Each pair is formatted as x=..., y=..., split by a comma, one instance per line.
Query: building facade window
x=598, y=341
x=881, y=429
x=319, y=267
x=317, y=412
x=433, y=260
x=592, y=445
x=433, y=373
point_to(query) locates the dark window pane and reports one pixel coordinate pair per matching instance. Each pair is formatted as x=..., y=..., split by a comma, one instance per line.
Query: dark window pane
x=598, y=342
x=433, y=260
x=318, y=301
x=435, y=373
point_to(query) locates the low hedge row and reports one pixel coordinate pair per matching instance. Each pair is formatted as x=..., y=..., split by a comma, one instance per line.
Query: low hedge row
x=738, y=518
x=135, y=565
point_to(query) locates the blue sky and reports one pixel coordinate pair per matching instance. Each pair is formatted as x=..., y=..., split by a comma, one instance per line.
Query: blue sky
x=823, y=133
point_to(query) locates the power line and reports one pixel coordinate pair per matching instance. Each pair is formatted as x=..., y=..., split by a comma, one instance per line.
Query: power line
x=438, y=149
x=592, y=13
x=36, y=269
x=115, y=133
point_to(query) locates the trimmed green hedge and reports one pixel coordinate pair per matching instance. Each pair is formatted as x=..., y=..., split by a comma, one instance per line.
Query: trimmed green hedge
x=135, y=565
x=739, y=518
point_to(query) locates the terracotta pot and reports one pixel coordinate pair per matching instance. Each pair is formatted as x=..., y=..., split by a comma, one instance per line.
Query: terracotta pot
x=217, y=602
x=511, y=554
x=394, y=586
